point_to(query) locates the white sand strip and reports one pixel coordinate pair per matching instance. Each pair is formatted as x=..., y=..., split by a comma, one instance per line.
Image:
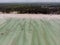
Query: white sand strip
x=32, y=16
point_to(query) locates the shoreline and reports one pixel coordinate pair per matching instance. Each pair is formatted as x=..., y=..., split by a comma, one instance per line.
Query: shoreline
x=31, y=16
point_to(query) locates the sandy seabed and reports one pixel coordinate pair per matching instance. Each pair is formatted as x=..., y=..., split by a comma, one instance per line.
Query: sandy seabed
x=31, y=16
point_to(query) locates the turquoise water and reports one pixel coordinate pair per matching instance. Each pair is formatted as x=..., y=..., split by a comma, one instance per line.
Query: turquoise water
x=30, y=32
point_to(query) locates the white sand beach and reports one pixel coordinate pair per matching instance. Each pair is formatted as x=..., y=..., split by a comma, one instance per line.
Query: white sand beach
x=32, y=16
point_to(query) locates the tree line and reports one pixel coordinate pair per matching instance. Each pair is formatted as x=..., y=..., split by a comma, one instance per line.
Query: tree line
x=29, y=9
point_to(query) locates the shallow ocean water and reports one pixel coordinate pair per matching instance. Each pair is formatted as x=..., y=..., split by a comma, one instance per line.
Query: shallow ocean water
x=29, y=31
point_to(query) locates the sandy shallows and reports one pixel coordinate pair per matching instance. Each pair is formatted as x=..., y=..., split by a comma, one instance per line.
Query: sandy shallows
x=29, y=32
x=32, y=16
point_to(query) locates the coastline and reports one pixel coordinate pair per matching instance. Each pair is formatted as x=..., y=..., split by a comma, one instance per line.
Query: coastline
x=32, y=16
